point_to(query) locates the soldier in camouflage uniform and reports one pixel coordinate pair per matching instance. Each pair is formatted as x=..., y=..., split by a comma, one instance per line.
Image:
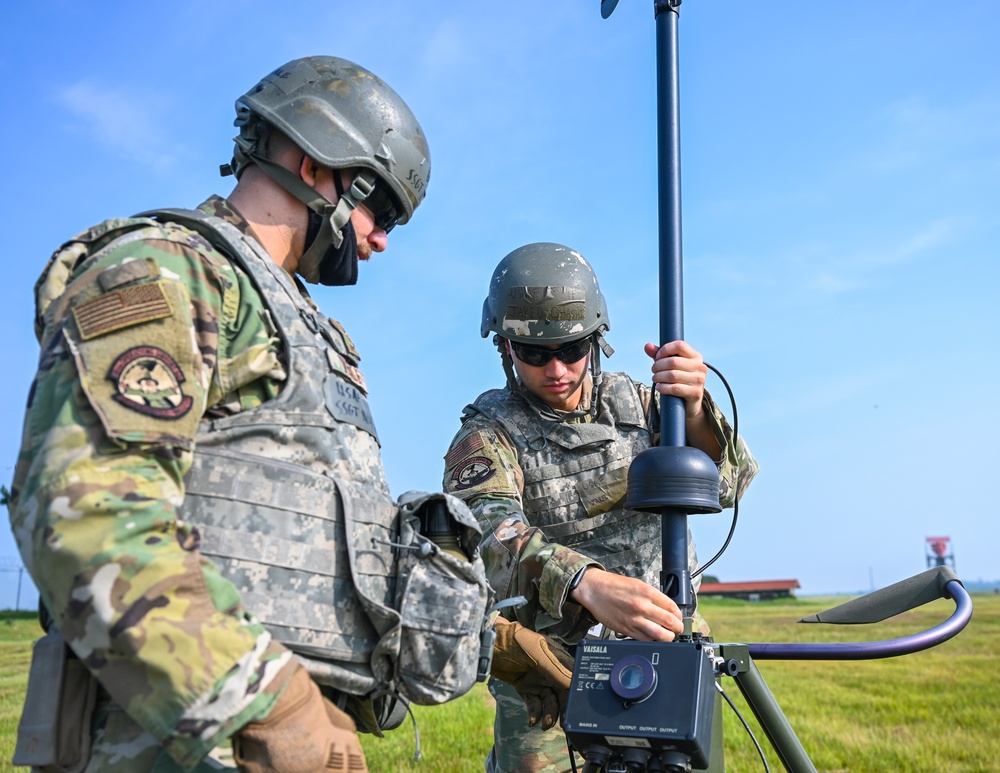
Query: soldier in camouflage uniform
x=543, y=464
x=199, y=492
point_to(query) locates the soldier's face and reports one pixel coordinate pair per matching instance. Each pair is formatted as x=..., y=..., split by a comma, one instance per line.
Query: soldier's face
x=370, y=237
x=556, y=383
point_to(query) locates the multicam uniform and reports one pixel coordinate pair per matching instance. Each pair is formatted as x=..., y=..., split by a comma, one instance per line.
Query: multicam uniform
x=548, y=489
x=154, y=334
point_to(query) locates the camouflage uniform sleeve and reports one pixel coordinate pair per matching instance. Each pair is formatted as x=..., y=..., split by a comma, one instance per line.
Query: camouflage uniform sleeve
x=133, y=352
x=737, y=466
x=482, y=469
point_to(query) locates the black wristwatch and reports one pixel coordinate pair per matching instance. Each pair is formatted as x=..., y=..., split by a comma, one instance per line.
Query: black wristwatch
x=575, y=582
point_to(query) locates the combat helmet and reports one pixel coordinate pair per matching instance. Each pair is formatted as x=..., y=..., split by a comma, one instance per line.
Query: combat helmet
x=545, y=293
x=342, y=116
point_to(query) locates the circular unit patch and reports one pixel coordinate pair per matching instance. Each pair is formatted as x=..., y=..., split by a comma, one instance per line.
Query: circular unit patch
x=473, y=471
x=148, y=380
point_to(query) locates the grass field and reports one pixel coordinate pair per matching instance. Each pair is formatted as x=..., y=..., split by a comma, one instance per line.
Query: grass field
x=930, y=712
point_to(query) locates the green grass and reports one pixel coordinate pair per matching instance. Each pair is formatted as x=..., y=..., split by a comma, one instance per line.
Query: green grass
x=931, y=711
x=17, y=631
x=934, y=710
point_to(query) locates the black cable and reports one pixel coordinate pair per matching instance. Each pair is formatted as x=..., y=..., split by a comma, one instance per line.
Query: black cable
x=736, y=503
x=739, y=716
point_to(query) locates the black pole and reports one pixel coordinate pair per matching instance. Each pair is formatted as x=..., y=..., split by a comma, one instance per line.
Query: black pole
x=675, y=576
x=669, y=166
x=671, y=478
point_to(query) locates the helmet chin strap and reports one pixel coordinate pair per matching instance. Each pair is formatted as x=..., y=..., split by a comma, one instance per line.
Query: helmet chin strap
x=505, y=360
x=602, y=346
x=332, y=217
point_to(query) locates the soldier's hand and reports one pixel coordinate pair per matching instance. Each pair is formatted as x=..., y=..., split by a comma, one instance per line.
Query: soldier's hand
x=304, y=733
x=537, y=667
x=629, y=606
x=679, y=370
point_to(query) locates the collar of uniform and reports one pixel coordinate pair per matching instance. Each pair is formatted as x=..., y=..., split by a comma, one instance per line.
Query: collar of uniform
x=219, y=207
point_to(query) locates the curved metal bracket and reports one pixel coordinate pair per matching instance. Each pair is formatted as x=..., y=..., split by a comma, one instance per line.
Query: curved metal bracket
x=934, y=584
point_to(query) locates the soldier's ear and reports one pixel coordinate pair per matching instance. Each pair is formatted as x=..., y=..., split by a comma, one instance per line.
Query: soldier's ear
x=308, y=169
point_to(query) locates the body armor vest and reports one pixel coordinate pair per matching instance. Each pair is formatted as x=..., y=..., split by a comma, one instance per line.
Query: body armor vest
x=575, y=475
x=384, y=602
x=290, y=497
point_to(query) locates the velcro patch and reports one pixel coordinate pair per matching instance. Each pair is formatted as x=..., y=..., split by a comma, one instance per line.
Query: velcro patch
x=469, y=445
x=121, y=308
x=473, y=472
x=126, y=273
x=546, y=302
x=477, y=465
x=602, y=492
x=347, y=403
x=148, y=380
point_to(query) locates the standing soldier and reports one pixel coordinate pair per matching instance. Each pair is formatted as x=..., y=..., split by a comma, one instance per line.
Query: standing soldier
x=199, y=492
x=543, y=465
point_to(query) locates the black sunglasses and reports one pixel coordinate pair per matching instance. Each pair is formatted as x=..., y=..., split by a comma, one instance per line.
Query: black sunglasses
x=383, y=208
x=536, y=356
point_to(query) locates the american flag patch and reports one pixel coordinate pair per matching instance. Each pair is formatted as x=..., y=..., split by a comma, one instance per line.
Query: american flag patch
x=122, y=308
x=468, y=446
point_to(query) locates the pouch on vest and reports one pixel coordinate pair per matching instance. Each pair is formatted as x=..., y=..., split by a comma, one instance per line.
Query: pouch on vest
x=442, y=597
x=53, y=735
x=383, y=711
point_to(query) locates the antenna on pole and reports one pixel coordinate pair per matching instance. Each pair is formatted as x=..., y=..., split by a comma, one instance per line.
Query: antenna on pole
x=672, y=479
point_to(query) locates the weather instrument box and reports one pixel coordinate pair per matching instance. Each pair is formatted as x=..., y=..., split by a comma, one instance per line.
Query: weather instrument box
x=651, y=696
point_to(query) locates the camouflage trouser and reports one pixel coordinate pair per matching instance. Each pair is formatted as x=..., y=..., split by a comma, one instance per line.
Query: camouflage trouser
x=520, y=749
x=121, y=746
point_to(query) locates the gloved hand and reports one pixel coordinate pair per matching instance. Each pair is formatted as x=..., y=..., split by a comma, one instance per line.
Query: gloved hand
x=537, y=667
x=304, y=733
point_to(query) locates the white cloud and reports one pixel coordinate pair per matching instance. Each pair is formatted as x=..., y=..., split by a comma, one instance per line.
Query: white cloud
x=912, y=247
x=128, y=124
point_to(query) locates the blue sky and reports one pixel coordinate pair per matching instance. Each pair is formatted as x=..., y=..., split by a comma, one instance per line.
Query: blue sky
x=841, y=181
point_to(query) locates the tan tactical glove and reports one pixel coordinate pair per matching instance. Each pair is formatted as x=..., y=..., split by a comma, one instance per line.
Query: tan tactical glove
x=304, y=733
x=537, y=667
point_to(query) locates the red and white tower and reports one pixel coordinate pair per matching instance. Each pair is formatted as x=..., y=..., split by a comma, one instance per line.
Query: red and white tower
x=939, y=552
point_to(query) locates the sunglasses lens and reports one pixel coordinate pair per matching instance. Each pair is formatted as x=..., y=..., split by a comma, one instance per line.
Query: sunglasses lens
x=383, y=209
x=530, y=355
x=386, y=220
x=537, y=356
x=573, y=352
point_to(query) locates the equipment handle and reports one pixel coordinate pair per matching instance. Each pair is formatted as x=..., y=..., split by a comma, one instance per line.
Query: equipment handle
x=888, y=648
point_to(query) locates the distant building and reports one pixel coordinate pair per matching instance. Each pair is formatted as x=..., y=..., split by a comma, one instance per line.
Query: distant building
x=755, y=590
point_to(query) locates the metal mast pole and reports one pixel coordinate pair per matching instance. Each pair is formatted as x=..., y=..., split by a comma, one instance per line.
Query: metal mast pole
x=671, y=478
